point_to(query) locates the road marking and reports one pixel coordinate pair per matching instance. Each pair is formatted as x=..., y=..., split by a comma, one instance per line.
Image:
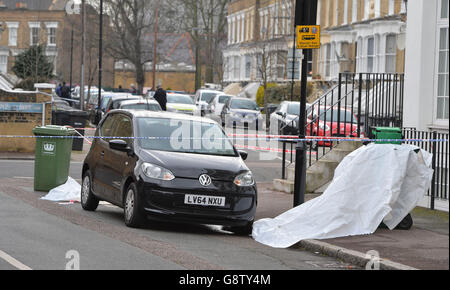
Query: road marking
x=13, y=261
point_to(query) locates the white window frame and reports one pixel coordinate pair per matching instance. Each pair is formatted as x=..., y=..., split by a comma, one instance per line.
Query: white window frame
x=373, y=56
x=12, y=26
x=441, y=23
x=391, y=7
x=355, y=10
x=33, y=25
x=366, y=9
x=388, y=55
x=50, y=26
x=345, y=17
x=4, y=63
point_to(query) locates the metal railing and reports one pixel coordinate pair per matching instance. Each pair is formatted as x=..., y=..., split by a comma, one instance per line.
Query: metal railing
x=439, y=185
x=355, y=105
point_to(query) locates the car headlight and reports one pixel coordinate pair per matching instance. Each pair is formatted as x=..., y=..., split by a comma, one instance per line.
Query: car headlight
x=245, y=179
x=157, y=172
x=324, y=126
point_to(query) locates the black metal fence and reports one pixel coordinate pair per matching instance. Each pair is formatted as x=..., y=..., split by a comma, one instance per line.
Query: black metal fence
x=434, y=143
x=356, y=104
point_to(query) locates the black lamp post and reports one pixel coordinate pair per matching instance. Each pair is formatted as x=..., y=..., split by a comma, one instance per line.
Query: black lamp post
x=305, y=14
x=100, y=55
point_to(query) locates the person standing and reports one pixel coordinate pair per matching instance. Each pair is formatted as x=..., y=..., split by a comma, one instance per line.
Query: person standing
x=65, y=92
x=161, y=97
x=58, y=90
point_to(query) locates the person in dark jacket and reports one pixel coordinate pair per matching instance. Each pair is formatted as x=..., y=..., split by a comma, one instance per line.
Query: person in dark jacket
x=65, y=92
x=161, y=97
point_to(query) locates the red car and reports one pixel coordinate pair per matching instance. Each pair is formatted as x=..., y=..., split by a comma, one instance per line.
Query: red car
x=331, y=122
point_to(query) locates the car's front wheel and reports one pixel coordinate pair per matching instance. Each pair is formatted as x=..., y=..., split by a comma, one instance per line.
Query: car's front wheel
x=88, y=201
x=132, y=212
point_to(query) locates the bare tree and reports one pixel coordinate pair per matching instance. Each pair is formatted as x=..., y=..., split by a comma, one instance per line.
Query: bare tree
x=206, y=21
x=131, y=20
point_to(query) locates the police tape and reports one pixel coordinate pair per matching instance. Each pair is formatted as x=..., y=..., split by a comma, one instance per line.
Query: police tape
x=274, y=138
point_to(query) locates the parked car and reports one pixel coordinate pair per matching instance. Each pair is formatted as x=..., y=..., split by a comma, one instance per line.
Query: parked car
x=215, y=107
x=325, y=121
x=98, y=113
x=141, y=105
x=203, y=97
x=242, y=112
x=284, y=121
x=154, y=179
x=115, y=101
x=183, y=104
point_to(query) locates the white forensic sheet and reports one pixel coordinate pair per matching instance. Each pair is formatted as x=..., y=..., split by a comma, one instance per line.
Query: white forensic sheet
x=376, y=183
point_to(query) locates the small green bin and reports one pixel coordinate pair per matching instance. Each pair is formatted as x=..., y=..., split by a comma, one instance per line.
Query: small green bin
x=388, y=133
x=52, y=156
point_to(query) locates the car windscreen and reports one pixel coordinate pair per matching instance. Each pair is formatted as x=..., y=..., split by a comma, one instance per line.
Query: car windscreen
x=293, y=109
x=208, y=97
x=142, y=107
x=183, y=136
x=179, y=99
x=224, y=99
x=244, y=105
x=105, y=101
x=335, y=115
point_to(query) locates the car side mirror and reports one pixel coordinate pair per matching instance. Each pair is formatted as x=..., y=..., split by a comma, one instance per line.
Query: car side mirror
x=119, y=145
x=244, y=155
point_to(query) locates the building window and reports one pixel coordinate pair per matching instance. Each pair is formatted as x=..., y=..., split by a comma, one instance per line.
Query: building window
x=236, y=68
x=281, y=64
x=327, y=60
x=12, y=33
x=354, y=10
x=52, y=36
x=442, y=73
x=35, y=29
x=391, y=53
x=248, y=66
x=12, y=36
x=3, y=63
x=391, y=7
x=370, y=54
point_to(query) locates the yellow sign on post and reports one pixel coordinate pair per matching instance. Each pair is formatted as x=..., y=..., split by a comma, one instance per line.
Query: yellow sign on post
x=308, y=36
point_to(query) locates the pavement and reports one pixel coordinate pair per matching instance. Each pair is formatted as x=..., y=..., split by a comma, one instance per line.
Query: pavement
x=425, y=246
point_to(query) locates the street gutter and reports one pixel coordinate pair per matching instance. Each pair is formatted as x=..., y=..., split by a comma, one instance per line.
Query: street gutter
x=348, y=256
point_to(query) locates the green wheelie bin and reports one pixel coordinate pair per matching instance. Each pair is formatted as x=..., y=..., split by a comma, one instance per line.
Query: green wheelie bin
x=388, y=133
x=52, y=156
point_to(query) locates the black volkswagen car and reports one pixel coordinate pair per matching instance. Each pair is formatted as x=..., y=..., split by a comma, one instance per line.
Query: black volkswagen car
x=169, y=167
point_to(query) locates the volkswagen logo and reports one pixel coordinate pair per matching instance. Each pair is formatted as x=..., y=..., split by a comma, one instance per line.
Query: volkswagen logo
x=205, y=180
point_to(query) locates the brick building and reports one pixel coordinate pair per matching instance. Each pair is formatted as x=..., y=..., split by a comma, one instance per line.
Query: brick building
x=360, y=36
x=25, y=23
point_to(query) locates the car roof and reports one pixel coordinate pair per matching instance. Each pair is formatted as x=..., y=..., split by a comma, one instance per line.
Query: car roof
x=239, y=98
x=164, y=115
x=209, y=91
x=138, y=101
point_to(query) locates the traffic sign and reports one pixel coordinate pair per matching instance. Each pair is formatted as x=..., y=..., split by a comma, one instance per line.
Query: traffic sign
x=308, y=36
